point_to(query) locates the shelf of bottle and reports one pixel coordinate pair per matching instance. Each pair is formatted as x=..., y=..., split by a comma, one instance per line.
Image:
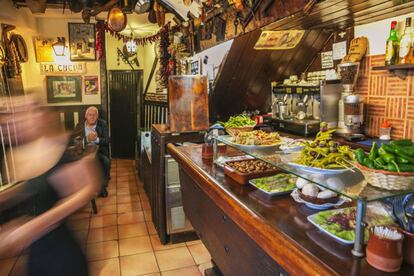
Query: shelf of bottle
x=394, y=67
x=399, y=70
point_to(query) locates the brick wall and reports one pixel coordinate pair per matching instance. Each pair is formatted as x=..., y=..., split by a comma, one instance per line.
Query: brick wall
x=387, y=97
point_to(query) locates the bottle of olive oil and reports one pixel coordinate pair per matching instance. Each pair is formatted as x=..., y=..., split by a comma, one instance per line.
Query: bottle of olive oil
x=392, y=47
x=406, y=44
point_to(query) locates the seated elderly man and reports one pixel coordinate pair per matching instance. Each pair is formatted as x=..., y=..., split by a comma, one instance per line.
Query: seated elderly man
x=95, y=131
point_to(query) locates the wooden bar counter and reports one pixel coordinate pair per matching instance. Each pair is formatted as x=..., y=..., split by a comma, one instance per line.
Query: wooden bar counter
x=247, y=235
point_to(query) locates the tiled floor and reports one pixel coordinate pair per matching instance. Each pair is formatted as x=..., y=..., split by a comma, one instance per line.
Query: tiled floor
x=121, y=238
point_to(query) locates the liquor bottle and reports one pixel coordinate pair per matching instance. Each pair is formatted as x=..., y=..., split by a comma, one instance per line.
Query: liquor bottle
x=392, y=47
x=406, y=44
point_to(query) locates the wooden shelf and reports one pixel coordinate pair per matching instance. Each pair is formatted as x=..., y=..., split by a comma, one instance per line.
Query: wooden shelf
x=400, y=70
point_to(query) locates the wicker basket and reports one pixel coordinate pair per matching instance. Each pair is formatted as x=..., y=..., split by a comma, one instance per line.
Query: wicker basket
x=386, y=179
x=234, y=131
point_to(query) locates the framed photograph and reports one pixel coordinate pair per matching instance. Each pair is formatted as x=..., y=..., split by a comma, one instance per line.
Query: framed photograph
x=91, y=85
x=82, y=41
x=43, y=49
x=64, y=89
x=195, y=67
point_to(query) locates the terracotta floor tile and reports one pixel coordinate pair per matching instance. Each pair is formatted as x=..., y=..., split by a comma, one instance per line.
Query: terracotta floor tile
x=106, y=210
x=131, y=217
x=103, y=234
x=138, y=264
x=109, y=267
x=187, y=271
x=146, y=205
x=6, y=265
x=81, y=214
x=135, y=245
x=126, y=178
x=203, y=267
x=103, y=221
x=153, y=274
x=148, y=215
x=156, y=244
x=129, y=207
x=79, y=224
x=127, y=198
x=174, y=258
x=143, y=197
x=127, y=191
x=20, y=267
x=81, y=236
x=125, y=184
x=102, y=250
x=199, y=253
x=105, y=201
x=193, y=242
x=132, y=230
x=126, y=173
x=151, y=228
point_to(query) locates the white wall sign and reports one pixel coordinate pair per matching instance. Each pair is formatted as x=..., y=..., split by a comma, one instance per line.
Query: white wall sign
x=327, y=60
x=71, y=68
x=339, y=50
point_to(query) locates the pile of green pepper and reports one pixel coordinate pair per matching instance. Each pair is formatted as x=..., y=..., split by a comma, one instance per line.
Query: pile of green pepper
x=397, y=156
x=238, y=121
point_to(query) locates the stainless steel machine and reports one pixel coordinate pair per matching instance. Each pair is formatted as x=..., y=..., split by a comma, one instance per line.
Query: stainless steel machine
x=176, y=219
x=300, y=109
x=350, y=106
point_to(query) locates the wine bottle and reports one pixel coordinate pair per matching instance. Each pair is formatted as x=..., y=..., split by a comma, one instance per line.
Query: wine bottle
x=406, y=44
x=392, y=47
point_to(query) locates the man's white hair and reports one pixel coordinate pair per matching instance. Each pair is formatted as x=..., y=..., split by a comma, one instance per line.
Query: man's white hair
x=90, y=109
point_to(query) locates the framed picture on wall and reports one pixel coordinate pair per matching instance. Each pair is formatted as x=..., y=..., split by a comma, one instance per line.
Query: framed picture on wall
x=82, y=41
x=64, y=89
x=195, y=67
x=91, y=85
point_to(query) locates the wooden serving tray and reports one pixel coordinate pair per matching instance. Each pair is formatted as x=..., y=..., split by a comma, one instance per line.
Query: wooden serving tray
x=243, y=178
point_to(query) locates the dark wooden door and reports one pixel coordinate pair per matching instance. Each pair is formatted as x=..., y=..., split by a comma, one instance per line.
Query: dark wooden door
x=125, y=88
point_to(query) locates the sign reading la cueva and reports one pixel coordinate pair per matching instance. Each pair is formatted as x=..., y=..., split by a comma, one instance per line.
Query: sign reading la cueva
x=56, y=68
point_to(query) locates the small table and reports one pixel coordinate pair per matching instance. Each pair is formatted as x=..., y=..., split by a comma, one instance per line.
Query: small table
x=89, y=151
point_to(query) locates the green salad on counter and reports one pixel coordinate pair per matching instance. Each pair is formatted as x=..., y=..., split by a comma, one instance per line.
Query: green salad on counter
x=341, y=222
x=278, y=183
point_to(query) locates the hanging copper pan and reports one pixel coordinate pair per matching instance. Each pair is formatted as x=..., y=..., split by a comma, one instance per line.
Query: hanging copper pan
x=117, y=19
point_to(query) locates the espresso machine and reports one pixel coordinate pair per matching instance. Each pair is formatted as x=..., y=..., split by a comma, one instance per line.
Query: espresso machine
x=350, y=105
x=296, y=108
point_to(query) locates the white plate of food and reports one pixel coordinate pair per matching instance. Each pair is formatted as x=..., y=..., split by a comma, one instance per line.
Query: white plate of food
x=289, y=159
x=296, y=196
x=292, y=145
x=340, y=223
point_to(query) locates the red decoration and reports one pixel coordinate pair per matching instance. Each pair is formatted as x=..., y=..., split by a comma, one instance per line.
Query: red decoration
x=103, y=27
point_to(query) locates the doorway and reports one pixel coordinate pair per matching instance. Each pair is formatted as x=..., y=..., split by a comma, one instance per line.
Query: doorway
x=125, y=90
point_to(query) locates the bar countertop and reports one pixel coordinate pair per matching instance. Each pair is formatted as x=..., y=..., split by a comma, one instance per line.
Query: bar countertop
x=279, y=226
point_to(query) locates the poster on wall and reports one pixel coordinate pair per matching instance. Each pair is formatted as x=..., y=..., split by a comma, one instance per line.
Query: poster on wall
x=43, y=49
x=91, y=85
x=63, y=89
x=279, y=40
x=195, y=67
x=82, y=41
x=327, y=60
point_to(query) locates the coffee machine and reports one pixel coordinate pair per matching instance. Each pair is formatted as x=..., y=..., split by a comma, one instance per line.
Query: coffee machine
x=350, y=106
x=293, y=108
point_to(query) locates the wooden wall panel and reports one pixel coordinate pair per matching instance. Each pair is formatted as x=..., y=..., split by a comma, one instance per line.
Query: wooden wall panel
x=244, y=83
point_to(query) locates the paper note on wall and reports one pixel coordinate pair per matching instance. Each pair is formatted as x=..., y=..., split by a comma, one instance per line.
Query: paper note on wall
x=339, y=50
x=327, y=60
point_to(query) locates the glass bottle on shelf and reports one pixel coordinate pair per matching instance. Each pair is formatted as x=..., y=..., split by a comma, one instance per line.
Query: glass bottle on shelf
x=392, y=46
x=406, y=44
